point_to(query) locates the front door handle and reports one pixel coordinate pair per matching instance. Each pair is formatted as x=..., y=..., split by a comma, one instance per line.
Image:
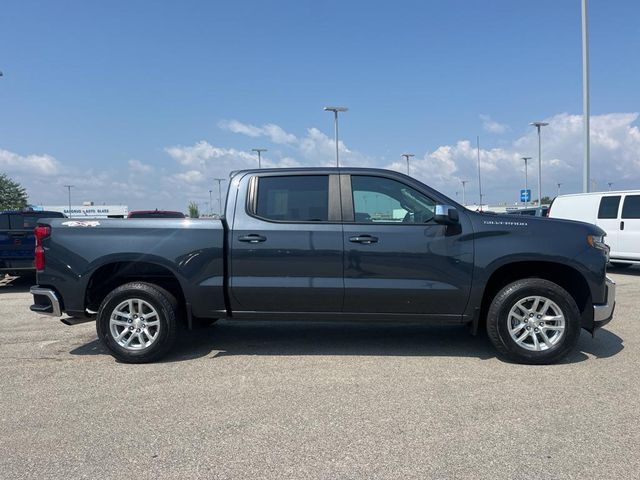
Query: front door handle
x=366, y=239
x=622, y=225
x=252, y=238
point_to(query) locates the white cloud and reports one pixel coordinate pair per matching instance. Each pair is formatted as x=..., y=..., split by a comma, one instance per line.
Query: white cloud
x=615, y=157
x=275, y=133
x=492, y=126
x=11, y=162
x=137, y=166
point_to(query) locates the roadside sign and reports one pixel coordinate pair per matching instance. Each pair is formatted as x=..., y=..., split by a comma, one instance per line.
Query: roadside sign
x=525, y=195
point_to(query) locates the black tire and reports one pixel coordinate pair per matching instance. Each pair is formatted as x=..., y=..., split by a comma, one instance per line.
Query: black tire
x=164, y=304
x=498, y=322
x=620, y=266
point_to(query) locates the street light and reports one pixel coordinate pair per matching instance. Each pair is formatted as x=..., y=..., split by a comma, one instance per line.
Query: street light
x=526, y=177
x=464, y=184
x=408, y=156
x=585, y=98
x=558, y=192
x=259, y=151
x=210, y=205
x=69, y=187
x=539, y=125
x=335, y=111
x=220, y=180
x=610, y=184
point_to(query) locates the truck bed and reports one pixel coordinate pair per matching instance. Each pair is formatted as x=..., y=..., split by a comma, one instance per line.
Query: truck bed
x=82, y=252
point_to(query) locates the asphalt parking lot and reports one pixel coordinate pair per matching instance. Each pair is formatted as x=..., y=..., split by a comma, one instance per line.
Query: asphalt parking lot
x=295, y=400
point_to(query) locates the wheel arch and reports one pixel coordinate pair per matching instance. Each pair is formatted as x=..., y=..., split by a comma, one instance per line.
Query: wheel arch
x=561, y=274
x=111, y=275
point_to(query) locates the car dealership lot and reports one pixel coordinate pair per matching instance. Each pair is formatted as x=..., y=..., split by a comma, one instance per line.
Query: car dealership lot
x=295, y=400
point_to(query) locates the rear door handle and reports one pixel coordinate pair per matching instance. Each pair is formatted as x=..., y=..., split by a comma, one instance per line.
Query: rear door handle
x=366, y=239
x=622, y=225
x=252, y=238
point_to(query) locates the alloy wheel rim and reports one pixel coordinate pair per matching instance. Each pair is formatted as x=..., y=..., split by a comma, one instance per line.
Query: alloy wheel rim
x=536, y=323
x=134, y=324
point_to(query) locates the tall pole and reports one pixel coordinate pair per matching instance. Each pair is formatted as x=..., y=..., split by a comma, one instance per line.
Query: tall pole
x=526, y=176
x=259, y=151
x=408, y=156
x=210, y=205
x=220, y=180
x=585, y=97
x=558, y=192
x=610, y=184
x=335, y=111
x=479, y=178
x=539, y=125
x=69, y=191
x=464, y=192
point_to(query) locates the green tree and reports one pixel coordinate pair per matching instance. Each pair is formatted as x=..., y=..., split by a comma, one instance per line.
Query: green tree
x=13, y=196
x=194, y=211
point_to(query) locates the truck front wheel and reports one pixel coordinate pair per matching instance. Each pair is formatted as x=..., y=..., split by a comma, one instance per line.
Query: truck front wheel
x=533, y=321
x=137, y=322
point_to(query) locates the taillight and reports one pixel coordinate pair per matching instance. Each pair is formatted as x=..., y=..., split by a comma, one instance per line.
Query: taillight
x=41, y=232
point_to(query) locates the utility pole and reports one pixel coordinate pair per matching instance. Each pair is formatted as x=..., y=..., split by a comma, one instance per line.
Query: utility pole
x=69, y=187
x=259, y=151
x=220, y=180
x=539, y=125
x=479, y=179
x=335, y=111
x=585, y=98
x=464, y=184
x=408, y=156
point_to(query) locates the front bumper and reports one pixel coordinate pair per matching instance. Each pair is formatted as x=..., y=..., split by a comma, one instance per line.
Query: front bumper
x=45, y=301
x=603, y=313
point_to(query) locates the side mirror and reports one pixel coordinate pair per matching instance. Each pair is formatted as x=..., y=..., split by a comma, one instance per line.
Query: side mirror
x=447, y=215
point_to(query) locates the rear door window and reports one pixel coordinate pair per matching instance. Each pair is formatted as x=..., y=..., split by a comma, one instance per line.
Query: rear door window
x=631, y=207
x=16, y=221
x=609, y=207
x=294, y=198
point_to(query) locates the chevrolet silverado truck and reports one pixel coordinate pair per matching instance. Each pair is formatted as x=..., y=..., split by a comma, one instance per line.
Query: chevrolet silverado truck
x=329, y=244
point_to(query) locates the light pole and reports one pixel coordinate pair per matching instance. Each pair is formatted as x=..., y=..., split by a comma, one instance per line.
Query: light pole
x=210, y=205
x=220, y=180
x=335, y=111
x=464, y=191
x=610, y=185
x=408, y=156
x=539, y=125
x=558, y=192
x=259, y=151
x=69, y=187
x=585, y=97
x=526, y=175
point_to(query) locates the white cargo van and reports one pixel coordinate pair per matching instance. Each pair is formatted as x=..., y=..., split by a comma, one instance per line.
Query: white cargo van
x=617, y=213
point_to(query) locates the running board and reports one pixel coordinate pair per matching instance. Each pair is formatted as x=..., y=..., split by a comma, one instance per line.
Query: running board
x=71, y=321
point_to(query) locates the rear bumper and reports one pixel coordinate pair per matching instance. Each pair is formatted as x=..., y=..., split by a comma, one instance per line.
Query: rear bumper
x=603, y=313
x=45, y=301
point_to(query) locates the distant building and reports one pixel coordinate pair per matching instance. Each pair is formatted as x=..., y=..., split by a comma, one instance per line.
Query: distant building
x=88, y=210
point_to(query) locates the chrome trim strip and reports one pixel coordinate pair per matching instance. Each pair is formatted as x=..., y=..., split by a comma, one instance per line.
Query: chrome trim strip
x=53, y=298
x=604, y=311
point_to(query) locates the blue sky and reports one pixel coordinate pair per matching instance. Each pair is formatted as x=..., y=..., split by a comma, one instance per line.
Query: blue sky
x=145, y=102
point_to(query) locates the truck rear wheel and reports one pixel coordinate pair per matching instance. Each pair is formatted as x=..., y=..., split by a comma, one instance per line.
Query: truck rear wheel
x=137, y=322
x=534, y=321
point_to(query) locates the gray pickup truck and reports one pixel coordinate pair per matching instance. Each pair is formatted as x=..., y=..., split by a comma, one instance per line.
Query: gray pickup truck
x=329, y=244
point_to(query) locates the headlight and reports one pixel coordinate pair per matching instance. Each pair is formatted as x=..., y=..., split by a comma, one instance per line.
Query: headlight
x=597, y=241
